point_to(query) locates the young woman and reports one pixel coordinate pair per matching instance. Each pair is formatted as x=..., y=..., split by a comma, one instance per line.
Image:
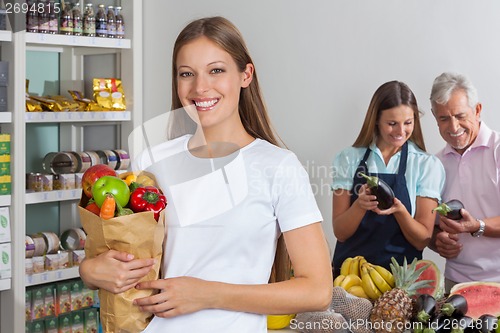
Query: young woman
x=390, y=146
x=222, y=239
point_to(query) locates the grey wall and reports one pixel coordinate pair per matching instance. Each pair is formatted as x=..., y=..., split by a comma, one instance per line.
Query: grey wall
x=320, y=61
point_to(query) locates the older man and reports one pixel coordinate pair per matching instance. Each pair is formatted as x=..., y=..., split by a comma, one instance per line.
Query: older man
x=471, y=159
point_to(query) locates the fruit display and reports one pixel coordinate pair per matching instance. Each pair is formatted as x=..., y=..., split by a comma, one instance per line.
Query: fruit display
x=408, y=299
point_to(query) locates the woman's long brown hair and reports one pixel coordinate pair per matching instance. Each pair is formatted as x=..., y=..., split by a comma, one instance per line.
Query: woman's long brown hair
x=252, y=109
x=389, y=95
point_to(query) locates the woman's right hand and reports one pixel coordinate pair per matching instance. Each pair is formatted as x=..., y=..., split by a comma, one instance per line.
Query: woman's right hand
x=366, y=200
x=114, y=271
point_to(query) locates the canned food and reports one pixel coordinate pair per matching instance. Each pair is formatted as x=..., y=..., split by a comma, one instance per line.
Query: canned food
x=123, y=159
x=83, y=159
x=60, y=162
x=73, y=239
x=35, y=182
x=47, y=184
x=30, y=248
x=40, y=245
x=108, y=157
x=52, y=241
x=64, y=181
x=94, y=157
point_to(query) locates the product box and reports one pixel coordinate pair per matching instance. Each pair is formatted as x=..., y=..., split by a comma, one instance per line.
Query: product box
x=36, y=326
x=76, y=295
x=4, y=73
x=49, y=300
x=65, y=323
x=37, y=303
x=5, y=261
x=63, y=298
x=27, y=304
x=3, y=99
x=4, y=165
x=4, y=225
x=5, y=185
x=4, y=144
x=51, y=325
x=77, y=321
x=90, y=320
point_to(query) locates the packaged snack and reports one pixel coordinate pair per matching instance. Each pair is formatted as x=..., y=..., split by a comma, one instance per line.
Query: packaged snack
x=109, y=94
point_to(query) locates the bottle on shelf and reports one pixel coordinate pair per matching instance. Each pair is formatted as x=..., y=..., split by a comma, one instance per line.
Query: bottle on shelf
x=67, y=20
x=31, y=17
x=101, y=28
x=53, y=21
x=89, y=21
x=111, y=22
x=43, y=16
x=120, y=23
x=77, y=20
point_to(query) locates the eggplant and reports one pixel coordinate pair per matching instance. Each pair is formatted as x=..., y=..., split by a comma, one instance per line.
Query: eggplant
x=455, y=305
x=424, y=307
x=439, y=324
x=463, y=324
x=450, y=209
x=487, y=323
x=379, y=188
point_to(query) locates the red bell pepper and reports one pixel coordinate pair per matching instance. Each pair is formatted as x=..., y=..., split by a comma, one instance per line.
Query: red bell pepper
x=147, y=198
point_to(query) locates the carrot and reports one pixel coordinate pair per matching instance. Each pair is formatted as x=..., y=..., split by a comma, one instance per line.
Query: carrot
x=108, y=207
x=92, y=207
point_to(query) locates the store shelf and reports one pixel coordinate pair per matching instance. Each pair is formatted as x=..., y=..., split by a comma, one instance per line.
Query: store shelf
x=65, y=40
x=49, y=117
x=52, y=276
x=53, y=196
x=5, y=117
x=5, y=200
x=4, y=284
x=5, y=36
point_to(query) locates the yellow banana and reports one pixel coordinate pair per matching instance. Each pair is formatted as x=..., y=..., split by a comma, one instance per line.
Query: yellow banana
x=357, y=291
x=362, y=261
x=338, y=280
x=354, y=267
x=368, y=285
x=386, y=274
x=346, y=265
x=350, y=280
x=379, y=281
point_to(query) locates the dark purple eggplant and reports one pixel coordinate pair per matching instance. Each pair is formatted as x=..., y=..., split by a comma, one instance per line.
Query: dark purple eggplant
x=439, y=324
x=450, y=209
x=425, y=307
x=455, y=305
x=380, y=189
x=463, y=324
x=487, y=323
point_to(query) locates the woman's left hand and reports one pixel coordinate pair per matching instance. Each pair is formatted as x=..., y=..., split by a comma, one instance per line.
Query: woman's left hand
x=396, y=207
x=180, y=295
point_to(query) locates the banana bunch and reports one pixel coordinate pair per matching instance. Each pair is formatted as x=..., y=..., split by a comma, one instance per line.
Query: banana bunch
x=363, y=279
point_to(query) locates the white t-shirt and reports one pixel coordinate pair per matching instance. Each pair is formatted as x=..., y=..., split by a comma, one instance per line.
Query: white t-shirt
x=223, y=219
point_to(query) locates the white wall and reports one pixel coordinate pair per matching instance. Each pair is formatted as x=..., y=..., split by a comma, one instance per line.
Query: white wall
x=319, y=63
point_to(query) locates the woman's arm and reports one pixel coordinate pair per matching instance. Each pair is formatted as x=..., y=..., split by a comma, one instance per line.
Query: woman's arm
x=346, y=217
x=310, y=290
x=114, y=271
x=418, y=230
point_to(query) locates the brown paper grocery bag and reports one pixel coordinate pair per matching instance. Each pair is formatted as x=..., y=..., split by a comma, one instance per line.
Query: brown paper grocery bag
x=138, y=234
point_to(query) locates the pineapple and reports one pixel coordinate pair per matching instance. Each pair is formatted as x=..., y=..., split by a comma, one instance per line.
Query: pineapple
x=392, y=311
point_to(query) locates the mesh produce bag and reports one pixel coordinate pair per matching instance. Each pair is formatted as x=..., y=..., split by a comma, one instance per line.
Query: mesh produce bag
x=355, y=310
x=321, y=322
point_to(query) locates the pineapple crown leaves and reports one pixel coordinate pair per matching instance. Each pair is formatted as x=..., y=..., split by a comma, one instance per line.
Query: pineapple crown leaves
x=405, y=276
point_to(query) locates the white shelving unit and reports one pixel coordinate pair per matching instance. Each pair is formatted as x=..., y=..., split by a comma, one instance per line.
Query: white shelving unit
x=72, y=51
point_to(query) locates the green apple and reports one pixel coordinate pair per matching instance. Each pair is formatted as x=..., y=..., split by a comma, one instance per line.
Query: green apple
x=113, y=185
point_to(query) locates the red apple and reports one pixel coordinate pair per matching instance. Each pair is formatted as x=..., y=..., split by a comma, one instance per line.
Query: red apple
x=93, y=174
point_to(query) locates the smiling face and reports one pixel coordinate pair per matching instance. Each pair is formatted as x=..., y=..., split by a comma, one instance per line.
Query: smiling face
x=395, y=127
x=458, y=122
x=209, y=80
